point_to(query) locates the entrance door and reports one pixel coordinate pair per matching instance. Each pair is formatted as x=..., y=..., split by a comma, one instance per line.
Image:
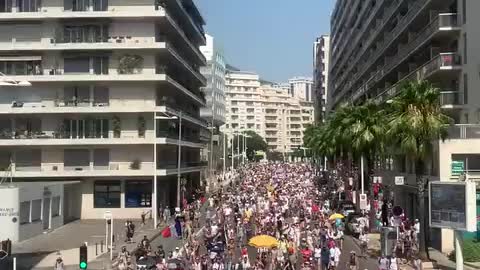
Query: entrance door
x=46, y=213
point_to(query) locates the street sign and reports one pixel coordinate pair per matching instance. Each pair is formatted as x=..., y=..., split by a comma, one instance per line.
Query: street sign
x=107, y=215
x=363, y=202
x=399, y=180
x=458, y=167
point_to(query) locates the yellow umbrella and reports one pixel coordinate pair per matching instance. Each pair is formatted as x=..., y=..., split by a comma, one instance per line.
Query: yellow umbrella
x=263, y=241
x=336, y=216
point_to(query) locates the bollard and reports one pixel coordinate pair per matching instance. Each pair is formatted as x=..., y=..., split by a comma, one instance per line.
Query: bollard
x=96, y=248
x=101, y=246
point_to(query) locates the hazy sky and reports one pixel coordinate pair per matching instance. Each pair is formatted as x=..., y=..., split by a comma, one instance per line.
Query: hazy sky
x=271, y=37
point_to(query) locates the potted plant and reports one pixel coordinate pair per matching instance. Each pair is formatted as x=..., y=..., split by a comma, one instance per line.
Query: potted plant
x=135, y=165
x=141, y=127
x=130, y=64
x=116, y=126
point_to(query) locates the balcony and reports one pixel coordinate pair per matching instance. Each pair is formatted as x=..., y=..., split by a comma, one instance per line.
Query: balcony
x=443, y=24
x=441, y=65
x=451, y=99
x=464, y=131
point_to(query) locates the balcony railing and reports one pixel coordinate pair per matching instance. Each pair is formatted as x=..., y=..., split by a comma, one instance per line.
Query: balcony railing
x=451, y=98
x=387, y=41
x=464, y=131
x=441, y=61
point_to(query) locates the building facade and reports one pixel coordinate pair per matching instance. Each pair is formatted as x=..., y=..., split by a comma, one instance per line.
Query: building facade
x=214, y=111
x=268, y=109
x=377, y=45
x=321, y=54
x=114, y=100
x=301, y=88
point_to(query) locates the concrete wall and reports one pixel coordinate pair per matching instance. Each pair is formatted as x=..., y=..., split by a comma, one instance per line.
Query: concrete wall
x=35, y=191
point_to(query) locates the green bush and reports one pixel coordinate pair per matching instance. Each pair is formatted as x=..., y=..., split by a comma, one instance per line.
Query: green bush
x=471, y=251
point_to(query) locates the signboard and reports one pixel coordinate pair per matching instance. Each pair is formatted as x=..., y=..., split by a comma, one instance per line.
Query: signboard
x=363, y=202
x=107, y=215
x=453, y=205
x=458, y=167
x=399, y=180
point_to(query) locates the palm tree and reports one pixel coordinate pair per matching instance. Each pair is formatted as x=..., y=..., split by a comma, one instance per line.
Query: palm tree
x=415, y=122
x=364, y=128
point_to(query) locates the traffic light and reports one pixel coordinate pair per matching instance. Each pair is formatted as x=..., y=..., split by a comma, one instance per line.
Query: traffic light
x=83, y=257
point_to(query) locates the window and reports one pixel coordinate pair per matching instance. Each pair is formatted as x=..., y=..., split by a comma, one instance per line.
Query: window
x=138, y=194
x=465, y=88
x=24, y=212
x=465, y=55
x=56, y=206
x=464, y=11
x=36, y=214
x=106, y=194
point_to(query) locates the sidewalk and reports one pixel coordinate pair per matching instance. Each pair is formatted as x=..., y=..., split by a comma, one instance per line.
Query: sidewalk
x=41, y=251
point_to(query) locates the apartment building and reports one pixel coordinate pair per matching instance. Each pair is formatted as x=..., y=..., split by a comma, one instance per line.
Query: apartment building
x=114, y=102
x=321, y=54
x=243, y=103
x=268, y=109
x=377, y=45
x=214, y=111
x=301, y=88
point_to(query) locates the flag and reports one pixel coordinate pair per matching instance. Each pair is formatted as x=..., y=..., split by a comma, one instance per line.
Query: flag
x=166, y=233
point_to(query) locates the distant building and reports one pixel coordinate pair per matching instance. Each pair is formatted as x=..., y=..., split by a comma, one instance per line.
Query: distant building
x=321, y=54
x=301, y=88
x=214, y=72
x=268, y=109
x=214, y=111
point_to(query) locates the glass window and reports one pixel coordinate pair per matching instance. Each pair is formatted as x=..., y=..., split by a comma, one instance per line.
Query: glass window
x=25, y=212
x=106, y=194
x=465, y=55
x=36, y=210
x=56, y=206
x=138, y=194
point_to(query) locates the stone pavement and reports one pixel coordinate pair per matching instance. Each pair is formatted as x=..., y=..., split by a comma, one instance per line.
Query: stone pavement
x=41, y=251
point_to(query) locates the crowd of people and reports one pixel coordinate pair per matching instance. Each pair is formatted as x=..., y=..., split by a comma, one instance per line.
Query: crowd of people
x=280, y=201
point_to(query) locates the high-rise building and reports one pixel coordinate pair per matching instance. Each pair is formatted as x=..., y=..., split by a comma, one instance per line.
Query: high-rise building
x=377, y=45
x=114, y=102
x=268, y=109
x=301, y=88
x=214, y=111
x=214, y=72
x=321, y=54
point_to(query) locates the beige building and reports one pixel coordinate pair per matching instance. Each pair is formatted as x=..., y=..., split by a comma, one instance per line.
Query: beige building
x=267, y=109
x=377, y=45
x=114, y=100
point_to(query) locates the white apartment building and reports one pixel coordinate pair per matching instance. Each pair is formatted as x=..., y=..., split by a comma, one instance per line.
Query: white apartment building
x=114, y=101
x=267, y=109
x=214, y=111
x=214, y=72
x=377, y=45
x=301, y=88
x=321, y=54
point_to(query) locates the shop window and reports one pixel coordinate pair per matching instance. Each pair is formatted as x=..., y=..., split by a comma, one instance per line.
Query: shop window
x=25, y=212
x=107, y=194
x=138, y=194
x=36, y=210
x=56, y=206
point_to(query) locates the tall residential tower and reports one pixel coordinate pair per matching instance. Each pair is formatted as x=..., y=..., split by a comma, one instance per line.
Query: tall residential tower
x=321, y=54
x=378, y=44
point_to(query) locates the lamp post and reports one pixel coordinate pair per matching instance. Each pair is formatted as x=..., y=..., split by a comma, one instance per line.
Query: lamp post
x=179, y=161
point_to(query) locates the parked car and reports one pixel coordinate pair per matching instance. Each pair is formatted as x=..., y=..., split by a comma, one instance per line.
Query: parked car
x=352, y=225
x=346, y=207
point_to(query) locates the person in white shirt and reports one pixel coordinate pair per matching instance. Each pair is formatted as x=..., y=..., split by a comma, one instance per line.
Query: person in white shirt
x=176, y=253
x=337, y=256
x=317, y=254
